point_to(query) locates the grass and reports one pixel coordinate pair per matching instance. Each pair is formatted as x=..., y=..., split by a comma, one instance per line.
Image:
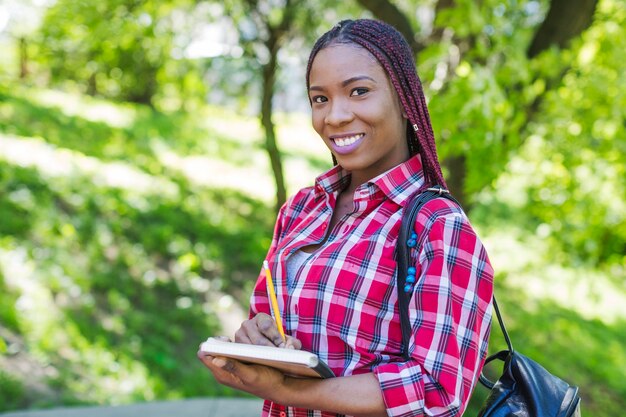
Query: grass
x=123, y=231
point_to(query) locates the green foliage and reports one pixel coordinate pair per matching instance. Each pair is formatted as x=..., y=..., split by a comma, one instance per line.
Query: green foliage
x=480, y=90
x=123, y=277
x=122, y=281
x=120, y=49
x=8, y=314
x=495, y=108
x=580, y=199
x=12, y=393
x=568, y=175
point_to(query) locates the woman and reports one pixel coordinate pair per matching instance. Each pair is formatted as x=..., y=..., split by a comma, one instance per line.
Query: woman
x=332, y=254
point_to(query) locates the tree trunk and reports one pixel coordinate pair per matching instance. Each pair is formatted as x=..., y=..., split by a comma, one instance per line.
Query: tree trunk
x=23, y=51
x=147, y=90
x=565, y=20
x=456, y=178
x=269, y=79
x=92, y=85
x=277, y=34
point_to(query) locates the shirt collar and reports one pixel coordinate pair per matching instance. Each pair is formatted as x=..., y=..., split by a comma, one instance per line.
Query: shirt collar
x=401, y=181
x=333, y=180
x=398, y=183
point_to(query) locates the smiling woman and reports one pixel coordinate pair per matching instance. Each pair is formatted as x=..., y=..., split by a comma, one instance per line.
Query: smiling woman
x=357, y=112
x=333, y=253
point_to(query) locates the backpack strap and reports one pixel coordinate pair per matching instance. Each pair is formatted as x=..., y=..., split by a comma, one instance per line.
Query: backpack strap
x=408, y=240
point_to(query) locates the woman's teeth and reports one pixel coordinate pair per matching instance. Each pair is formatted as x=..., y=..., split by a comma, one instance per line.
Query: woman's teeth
x=348, y=141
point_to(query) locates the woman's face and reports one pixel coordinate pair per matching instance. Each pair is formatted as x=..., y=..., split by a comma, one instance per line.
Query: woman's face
x=356, y=111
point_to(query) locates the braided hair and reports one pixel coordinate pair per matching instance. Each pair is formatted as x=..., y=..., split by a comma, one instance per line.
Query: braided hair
x=393, y=53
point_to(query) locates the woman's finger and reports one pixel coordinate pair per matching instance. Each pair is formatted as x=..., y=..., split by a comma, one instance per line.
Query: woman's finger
x=223, y=338
x=293, y=343
x=267, y=327
x=259, y=330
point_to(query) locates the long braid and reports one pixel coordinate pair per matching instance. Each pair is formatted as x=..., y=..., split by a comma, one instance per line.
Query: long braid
x=392, y=51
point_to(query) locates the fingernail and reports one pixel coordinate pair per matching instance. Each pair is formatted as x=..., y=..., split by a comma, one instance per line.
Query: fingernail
x=290, y=347
x=220, y=362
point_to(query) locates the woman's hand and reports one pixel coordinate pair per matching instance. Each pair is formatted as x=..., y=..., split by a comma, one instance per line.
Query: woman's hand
x=258, y=380
x=353, y=395
x=262, y=330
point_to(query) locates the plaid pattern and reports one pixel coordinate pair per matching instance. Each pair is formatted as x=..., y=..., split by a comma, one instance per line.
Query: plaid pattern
x=343, y=306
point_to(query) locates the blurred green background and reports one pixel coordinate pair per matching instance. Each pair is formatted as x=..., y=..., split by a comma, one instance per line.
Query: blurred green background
x=144, y=146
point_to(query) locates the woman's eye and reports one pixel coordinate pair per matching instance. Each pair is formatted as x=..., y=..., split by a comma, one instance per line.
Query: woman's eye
x=319, y=99
x=359, y=91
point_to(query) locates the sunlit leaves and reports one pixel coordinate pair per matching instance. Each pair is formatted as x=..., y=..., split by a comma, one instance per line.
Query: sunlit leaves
x=122, y=281
x=582, y=193
x=120, y=50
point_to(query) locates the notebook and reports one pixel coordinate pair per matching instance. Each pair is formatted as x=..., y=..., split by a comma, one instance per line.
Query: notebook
x=289, y=361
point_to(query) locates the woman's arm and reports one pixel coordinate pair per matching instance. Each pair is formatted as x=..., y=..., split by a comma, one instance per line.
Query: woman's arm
x=357, y=395
x=450, y=314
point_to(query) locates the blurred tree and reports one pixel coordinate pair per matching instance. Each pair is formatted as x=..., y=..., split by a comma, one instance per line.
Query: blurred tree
x=565, y=20
x=120, y=49
x=579, y=194
x=487, y=66
x=20, y=21
x=265, y=27
x=23, y=52
x=474, y=38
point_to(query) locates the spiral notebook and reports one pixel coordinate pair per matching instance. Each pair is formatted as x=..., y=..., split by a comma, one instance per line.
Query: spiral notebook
x=289, y=361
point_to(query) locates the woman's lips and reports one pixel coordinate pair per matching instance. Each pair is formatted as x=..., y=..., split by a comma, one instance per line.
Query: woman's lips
x=345, y=144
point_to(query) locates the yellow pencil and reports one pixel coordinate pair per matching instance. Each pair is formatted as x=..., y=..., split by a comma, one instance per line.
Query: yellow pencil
x=272, y=294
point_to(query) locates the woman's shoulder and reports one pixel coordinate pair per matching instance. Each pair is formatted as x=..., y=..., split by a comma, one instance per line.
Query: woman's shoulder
x=440, y=209
x=441, y=206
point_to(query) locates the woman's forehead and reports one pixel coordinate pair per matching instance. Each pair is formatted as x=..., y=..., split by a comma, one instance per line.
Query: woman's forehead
x=337, y=59
x=349, y=48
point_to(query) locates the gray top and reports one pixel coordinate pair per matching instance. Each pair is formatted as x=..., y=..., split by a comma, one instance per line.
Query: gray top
x=294, y=262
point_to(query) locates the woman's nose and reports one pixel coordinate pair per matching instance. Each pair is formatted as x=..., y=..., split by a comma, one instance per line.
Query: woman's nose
x=339, y=113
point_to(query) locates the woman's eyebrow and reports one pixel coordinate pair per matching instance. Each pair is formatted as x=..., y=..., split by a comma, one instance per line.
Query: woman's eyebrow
x=345, y=82
x=357, y=78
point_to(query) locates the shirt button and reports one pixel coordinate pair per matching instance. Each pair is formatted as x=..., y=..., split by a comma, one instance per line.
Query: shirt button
x=324, y=226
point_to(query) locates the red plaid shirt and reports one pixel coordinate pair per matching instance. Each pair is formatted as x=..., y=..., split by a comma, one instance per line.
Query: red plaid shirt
x=343, y=304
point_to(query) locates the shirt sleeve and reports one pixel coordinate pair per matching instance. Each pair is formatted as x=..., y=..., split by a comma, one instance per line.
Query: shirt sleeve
x=450, y=315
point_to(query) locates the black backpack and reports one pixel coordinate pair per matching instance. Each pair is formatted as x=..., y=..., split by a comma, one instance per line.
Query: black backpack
x=525, y=388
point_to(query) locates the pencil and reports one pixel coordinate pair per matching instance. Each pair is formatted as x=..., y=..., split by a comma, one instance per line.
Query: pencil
x=274, y=301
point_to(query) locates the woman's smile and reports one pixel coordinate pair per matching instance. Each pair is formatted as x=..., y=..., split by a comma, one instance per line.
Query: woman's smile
x=344, y=144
